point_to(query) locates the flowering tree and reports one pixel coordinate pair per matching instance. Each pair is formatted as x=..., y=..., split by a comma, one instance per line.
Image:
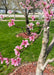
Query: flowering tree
x=27, y=6
x=45, y=50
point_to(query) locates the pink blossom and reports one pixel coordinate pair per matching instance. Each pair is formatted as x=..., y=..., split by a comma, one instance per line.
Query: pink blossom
x=11, y=23
x=44, y=3
x=48, y=6
x=12, y=20
x=24, y=6
x=2, y=59
x=34, y=34
x=52, y=2
x=7, y=60
x=14, y=62
x=47, y=15
x=36, y=5
x=20, y=3
x=33, y=17
x=18, y=60
x=31, y=38
x=37, y=23
x=9, y=11
x=30, y=26
x=27, y=2
x=19, y=47
x=25, y=42
x=47, y=19
x=17, y=52
x=48, y=27
x=1, y=16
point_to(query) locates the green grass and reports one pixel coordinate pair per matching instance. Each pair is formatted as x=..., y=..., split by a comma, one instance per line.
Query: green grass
x=8, y=41
x=17, y=18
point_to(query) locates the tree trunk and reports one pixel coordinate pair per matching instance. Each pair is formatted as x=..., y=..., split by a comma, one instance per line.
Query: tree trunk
x=27, y=22
x=42, y=57
x=6, y=10
x=39, y=72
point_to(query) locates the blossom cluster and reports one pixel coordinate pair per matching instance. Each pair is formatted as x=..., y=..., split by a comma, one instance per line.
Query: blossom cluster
x=29, y=4
x=47, y=12
x=11, y=22
x=16, y=61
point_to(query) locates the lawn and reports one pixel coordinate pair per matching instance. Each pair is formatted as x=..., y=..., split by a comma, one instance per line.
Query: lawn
x=17, y=18
x=8, y=41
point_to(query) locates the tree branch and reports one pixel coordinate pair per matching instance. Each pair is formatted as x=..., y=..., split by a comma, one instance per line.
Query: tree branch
x=20, y=8
x=50, y=46
x=48, y=61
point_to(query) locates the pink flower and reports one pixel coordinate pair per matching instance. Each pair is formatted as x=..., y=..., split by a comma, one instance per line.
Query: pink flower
x=17, y=52
x=25, y=42
x=2, y=59
x=30, y=26
x=19, y=47
x=7, y=60
x=27, y=2
x=15, y=62
x=37, y=23
x=11, y=23
x=48, y=6
x=12, y=20
x=20, y=3
x=47, y=15
x=33, y=17
x=52, y=2
x=44, y=3
x=18, y=60
x=31, y=38
x=48, y=27
x=10, y=12
x=33, y=34
x=47, y=19
x=24, y=6
x=1, y=16
x=12, y=61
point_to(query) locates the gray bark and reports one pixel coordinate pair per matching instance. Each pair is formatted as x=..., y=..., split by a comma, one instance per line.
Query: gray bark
x=42, y=57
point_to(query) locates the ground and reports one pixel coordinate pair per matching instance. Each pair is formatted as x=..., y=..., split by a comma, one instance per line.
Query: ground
x=30, y=69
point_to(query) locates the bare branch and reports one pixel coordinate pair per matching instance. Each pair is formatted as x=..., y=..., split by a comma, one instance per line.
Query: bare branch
x=20, y=7
x=48, y=61
x=50, y=46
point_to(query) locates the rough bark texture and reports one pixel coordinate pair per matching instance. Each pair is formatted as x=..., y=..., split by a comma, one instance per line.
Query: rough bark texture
x=42, y=57
x=27, y=22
